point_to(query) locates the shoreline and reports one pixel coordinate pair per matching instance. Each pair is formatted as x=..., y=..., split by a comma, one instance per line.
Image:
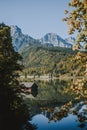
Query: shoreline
x=47, y=78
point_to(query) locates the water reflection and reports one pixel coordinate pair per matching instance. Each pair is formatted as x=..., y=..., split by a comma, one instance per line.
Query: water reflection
x=54, y=91
x=74, y=118
x=68, y=123
x=60, y=107
x=57, y=113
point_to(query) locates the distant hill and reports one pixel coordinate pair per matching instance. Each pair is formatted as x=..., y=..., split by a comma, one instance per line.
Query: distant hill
x=46, y=60
x=21, y=40
x=41, y=59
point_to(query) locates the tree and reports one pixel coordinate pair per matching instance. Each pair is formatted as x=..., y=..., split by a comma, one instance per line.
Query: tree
x=8, y=66
x=77, y=21
x=12, y=107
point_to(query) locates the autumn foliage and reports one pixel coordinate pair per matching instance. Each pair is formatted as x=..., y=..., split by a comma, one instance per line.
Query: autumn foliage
x=77, y=19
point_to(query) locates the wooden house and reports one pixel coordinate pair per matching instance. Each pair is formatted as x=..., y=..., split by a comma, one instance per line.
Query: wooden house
x=29, y=88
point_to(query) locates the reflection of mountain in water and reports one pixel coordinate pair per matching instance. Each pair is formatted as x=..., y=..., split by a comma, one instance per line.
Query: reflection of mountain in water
x=75, y=117
x=58, y=113
x=47, y=114
x=55, y=102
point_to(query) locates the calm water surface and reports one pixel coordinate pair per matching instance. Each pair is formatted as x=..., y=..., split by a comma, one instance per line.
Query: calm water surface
x=70, y=121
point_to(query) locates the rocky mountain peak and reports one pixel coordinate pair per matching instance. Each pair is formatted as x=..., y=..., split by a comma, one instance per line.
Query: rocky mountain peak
x=21, y=40
x=15, y=29
x=71, y=40
x=55, y=40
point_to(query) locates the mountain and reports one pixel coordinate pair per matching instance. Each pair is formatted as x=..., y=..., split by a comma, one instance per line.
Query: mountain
x=21, y=40
x=71, y=40
x=55, y=40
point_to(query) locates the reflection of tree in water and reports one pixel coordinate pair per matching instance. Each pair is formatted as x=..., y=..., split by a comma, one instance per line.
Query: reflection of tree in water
x=79, y=90
x=82, y=125
x=58, y=113
x=54, y=90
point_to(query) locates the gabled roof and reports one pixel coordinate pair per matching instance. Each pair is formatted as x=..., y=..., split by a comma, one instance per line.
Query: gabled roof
x=28, y=84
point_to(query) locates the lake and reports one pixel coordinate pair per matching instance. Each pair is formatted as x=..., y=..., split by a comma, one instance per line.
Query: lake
x=68, y=123
x=57, y=107
x=71, y=121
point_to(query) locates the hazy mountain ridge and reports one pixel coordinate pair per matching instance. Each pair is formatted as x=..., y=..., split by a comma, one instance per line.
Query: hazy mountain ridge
x=21, y=40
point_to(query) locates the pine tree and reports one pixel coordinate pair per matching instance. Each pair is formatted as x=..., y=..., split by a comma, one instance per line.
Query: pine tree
x=12, y=107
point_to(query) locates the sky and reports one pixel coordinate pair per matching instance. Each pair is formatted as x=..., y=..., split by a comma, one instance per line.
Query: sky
x=35, y=17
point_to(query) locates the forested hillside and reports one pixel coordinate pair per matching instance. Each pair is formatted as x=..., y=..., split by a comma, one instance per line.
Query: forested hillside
x=40, y=60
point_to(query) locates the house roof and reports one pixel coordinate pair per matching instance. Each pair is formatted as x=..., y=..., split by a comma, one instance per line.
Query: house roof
x=27, y=84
